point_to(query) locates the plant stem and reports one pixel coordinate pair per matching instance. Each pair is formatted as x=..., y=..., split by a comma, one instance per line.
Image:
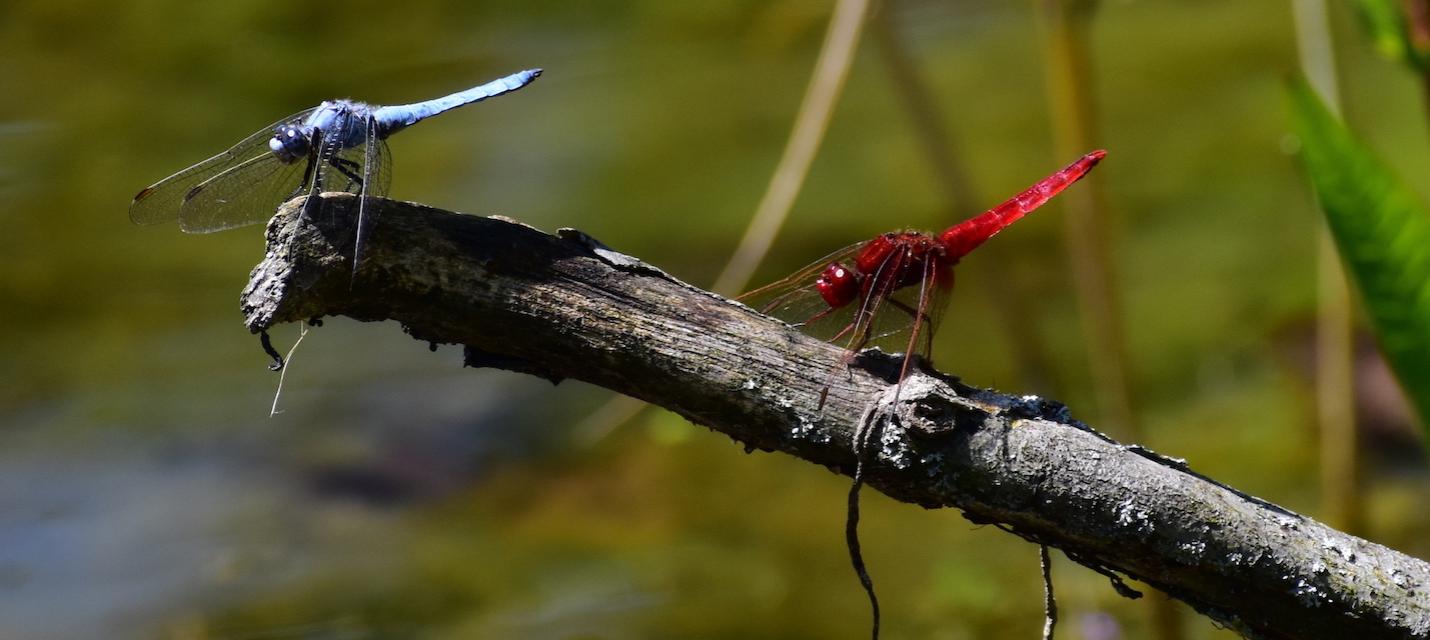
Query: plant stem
x=825, y=86
x=1335, y=378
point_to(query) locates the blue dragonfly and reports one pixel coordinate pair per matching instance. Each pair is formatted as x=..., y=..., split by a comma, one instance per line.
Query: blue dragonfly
x=339, y=145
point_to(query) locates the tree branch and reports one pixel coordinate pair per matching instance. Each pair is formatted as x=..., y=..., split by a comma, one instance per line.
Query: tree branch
x=566, y=307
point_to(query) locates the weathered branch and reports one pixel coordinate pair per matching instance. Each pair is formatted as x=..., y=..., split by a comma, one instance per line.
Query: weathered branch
x=565, y=307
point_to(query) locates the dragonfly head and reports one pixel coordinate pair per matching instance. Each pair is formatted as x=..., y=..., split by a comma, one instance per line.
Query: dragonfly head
x=290, y=143
x=838, y=285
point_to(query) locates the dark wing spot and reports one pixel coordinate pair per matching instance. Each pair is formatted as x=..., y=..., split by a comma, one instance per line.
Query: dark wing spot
x=193, y=192
x=143, y=193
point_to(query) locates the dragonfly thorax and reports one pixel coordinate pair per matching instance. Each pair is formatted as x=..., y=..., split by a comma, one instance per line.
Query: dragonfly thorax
x=909, y=248
x=892, y=261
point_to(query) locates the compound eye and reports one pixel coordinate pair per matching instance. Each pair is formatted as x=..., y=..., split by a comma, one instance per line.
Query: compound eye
x=288, y=143
x=837, y=285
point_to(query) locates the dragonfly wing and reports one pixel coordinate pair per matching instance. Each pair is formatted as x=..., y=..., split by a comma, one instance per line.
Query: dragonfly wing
x=882, y=316
x=794, y=297
x=769, y=298
x=900, y=319
x=163, y=201
x=377, y=175
x=795, y=300
x=364, y=168
x=381, y=178
x=246, y=193
x=894, y=324
x=879, y=286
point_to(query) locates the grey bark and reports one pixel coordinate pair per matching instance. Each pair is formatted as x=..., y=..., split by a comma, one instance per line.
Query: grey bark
x=564, y=306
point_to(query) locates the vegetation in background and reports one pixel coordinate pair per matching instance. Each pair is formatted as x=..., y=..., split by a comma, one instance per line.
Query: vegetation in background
x=1383, y=232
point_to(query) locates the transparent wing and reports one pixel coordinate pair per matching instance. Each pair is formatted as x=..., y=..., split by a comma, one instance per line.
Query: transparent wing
x=377, y=175
x=244, y=194
x=890, y=314
x=364, y=168
x=163, y=201
x=378, y=180
x=869, y=322
x=881, y=316
x=891, y=328
x=795, y=300
x=346, y=160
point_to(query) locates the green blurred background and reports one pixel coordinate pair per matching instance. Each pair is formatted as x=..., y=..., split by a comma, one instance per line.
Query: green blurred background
x=145, y=492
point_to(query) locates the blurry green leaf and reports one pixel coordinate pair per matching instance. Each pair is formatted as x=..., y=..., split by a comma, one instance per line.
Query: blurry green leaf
x=1383, y=233
x=1385, y=20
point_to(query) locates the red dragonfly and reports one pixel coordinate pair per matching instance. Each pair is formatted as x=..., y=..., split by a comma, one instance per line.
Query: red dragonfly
x=871, y=273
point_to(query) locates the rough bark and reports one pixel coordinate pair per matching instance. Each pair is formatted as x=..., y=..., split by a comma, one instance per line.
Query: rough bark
x=564, y=306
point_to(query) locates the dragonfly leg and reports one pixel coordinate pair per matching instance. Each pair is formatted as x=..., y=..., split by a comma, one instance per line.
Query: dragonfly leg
x=310, y=168
x=815, y=318
x=312, y=178
x=918, y=317
x=863, y=338
x=844, y=361
x=350, y=170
